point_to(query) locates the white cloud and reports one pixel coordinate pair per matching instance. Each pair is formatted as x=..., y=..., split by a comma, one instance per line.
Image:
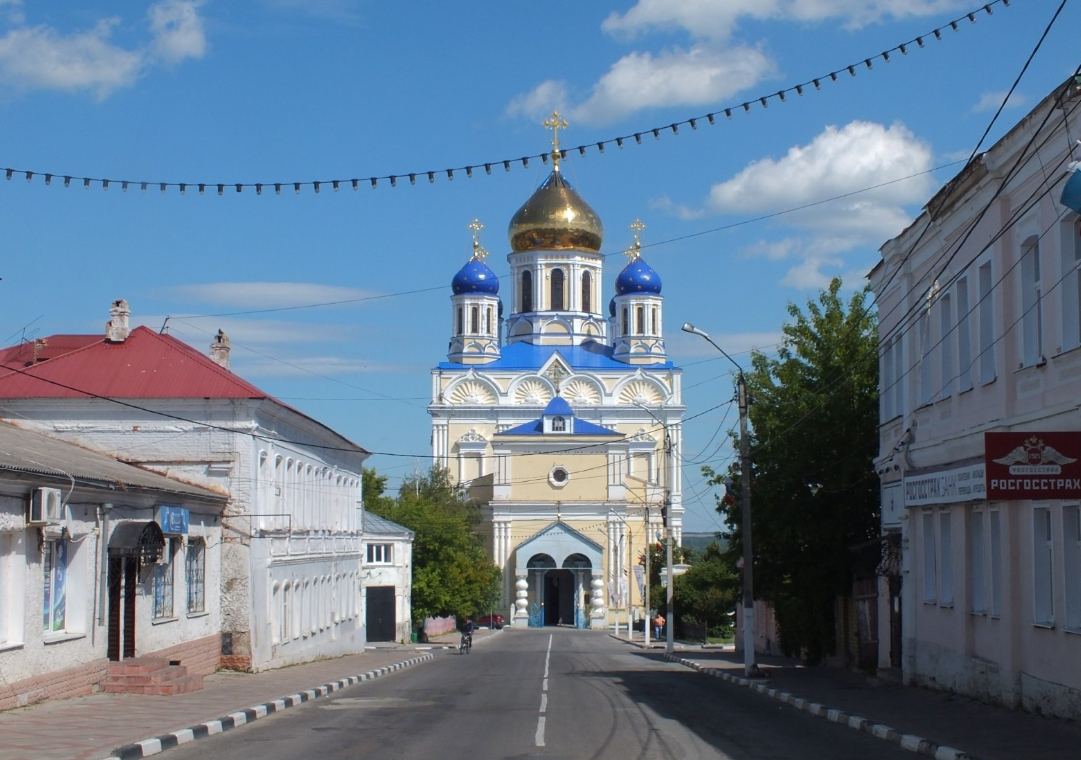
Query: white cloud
x=696, y=76
x=266, y=295
x=776, y=250
x=990, y=101
x=717, y=19
x=40, y=57
x=839, y=163
x=198, y=332
x=178, y=29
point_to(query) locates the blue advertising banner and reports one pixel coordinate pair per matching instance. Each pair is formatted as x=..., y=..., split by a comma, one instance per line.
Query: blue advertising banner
x=173, y=520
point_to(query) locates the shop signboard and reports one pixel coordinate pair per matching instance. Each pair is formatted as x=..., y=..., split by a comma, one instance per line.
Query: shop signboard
x=1042, y=465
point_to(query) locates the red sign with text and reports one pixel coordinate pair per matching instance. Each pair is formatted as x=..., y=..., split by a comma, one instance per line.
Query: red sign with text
x=1033, y=465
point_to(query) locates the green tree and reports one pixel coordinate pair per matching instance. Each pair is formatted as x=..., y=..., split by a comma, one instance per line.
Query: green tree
x=452, y=574
x=708, y=591
x=814, y=420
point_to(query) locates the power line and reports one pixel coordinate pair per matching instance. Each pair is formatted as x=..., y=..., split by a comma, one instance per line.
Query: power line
x=763, y=101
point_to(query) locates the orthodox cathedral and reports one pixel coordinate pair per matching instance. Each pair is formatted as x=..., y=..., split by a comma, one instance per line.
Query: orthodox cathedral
x=562, y=421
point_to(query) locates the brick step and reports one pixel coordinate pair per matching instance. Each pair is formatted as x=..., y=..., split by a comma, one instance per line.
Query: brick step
x=181, y=685
x=137, y=666
x=141, y=679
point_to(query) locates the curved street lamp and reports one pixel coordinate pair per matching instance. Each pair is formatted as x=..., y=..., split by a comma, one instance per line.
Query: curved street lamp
x=749, y=666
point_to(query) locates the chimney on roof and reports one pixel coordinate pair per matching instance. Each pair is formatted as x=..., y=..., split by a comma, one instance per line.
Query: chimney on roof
x=219, y=349
x=116, y=329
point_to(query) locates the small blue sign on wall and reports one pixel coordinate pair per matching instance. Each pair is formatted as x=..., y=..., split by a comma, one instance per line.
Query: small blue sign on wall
x=172, y=520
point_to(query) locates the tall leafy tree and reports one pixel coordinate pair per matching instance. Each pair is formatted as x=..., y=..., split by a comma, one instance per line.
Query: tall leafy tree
x=814, y=420
x=452, y=574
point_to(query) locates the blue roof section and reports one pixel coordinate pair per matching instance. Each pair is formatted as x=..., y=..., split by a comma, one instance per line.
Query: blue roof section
x=558, y=405
x=581, y=427
x=589, y=355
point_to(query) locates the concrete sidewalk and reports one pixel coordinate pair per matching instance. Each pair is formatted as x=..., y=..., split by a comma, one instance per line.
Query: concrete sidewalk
x=131, y=726
x=931, y=723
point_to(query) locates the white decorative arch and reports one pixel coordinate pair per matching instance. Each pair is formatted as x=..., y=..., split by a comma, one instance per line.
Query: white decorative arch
x=471, y=390
x=582, y=391
x=532, y=390
x=641, y=390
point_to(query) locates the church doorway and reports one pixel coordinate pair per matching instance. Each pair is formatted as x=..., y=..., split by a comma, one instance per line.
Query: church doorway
x=559, y=597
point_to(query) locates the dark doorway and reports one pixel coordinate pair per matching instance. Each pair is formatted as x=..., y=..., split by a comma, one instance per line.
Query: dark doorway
x=123, y=579
x=865, y=591
x=380, y=620
x=895, y=621
x=559, y=597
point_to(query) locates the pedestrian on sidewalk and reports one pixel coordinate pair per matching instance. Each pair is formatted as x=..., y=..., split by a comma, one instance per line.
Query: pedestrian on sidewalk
x=658, y=624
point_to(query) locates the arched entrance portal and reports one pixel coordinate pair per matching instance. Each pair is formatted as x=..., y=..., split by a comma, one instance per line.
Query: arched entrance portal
x=555, y=579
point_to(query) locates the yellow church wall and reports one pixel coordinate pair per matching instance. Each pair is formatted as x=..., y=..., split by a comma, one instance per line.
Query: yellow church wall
x=588, y=479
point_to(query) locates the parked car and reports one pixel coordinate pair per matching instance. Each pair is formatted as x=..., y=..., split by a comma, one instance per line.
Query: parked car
x=495, y=622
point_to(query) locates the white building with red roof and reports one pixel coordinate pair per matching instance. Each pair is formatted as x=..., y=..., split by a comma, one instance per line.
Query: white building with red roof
x=291, y=534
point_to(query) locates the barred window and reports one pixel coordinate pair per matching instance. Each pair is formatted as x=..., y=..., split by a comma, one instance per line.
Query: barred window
x=163, y=584
x=195, y=574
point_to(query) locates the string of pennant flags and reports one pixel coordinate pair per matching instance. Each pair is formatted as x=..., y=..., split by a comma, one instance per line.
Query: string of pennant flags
x=355, y=183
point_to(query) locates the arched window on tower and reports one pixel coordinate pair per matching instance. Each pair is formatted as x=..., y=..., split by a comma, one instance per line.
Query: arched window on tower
x=655, y=324
x=488, y=321
x=474, y=320
x=559, y=424
x=461, y=321
x=626, y=326
x=641, y=325
x=557, y=303
x=527, y=291
x=587, y=292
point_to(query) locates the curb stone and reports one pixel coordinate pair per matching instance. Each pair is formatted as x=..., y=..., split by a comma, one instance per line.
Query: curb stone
x=911, y=742
x=148, y=747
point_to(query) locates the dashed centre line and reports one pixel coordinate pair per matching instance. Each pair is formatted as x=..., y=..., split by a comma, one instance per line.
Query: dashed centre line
x=544, y=694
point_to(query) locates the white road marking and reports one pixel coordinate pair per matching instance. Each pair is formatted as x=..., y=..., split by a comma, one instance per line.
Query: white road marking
x=544, y=695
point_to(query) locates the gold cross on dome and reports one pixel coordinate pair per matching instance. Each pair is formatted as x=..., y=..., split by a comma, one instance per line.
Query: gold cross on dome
x=554, y=122
x=635, y=250
x=478, y=251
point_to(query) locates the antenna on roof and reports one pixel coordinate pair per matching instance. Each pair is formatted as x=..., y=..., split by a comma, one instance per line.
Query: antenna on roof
x=164, y=326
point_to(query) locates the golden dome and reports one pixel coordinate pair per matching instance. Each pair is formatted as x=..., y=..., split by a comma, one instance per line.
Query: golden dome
x=555, y=218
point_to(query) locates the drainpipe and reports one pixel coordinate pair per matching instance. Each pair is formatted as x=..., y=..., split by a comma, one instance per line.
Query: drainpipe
x=103, y=574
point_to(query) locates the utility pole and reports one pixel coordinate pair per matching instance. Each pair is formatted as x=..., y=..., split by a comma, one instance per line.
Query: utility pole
x=669, y=622
x=750, y=668
x=649, y=548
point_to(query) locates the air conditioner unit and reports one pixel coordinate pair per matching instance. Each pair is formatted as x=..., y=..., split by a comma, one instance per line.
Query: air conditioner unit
x=46, y=507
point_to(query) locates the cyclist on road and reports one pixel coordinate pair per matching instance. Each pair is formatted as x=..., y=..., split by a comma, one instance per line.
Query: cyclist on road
x=467, y=634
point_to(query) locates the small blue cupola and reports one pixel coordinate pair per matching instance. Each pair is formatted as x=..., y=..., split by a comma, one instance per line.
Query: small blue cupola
x=558, y=417
x=638, y=277
x=475, y=309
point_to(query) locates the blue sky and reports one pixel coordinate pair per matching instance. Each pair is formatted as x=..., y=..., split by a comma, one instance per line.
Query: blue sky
x=337, y=302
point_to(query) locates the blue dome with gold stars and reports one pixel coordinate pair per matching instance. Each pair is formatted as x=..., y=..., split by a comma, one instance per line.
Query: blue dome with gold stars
x=612, y=308
x=638, y=277
x=475, y=277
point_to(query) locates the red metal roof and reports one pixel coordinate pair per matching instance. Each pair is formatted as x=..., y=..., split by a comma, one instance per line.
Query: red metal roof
x=145, y=365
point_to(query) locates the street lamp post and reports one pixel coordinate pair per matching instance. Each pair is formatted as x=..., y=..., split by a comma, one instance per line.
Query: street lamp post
x=749, y=666
x=666, y=508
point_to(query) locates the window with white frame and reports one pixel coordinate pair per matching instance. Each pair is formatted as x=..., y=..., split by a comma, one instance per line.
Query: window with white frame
x=945, y=346
x=1071, y=282
x=12, y=587
x=163, y=583
x=899, y=375
x=945, y=536
x=1043, y=605
x=1071, y=556
x=1031, y=303
x=195, y=574
x=994, y=518
x=54, y=576
x=885, y=374
x=987, y=324
x=926, y=375
x=977, y=572
x=380, y=554
x=929, y=571
x=964, y=338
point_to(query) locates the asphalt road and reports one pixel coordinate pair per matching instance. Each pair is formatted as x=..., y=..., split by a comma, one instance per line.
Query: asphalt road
x=551, y=693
